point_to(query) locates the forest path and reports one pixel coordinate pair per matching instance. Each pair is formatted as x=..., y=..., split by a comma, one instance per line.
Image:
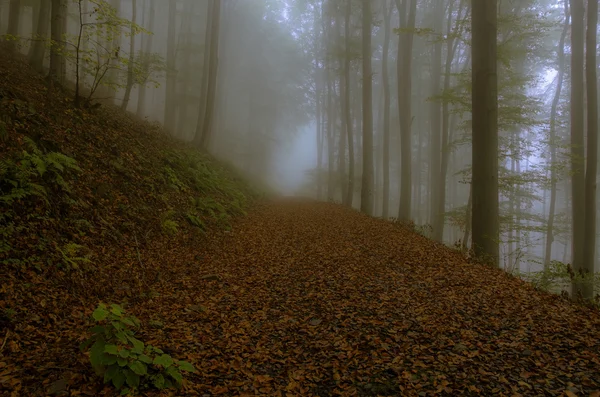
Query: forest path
x=317, y=299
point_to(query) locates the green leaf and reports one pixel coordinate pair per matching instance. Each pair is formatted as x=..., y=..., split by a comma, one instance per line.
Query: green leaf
x=118, y=380
x=138, y=345
x=125, y=391
x=175, y=374
x=164, y=359
x=108, y=359
x=128, y=321
x=100, y=313
x=98, y=329
x=122, y=336
x=110, y=373
x=124, y=353
x=86, y=343
x=159, y=381
x=133, y=379
x=139, y=368
x=116, y=309
x=145, y=359
x=122, y=362
x=96, y=354
x=111, y=349
x=185, y=366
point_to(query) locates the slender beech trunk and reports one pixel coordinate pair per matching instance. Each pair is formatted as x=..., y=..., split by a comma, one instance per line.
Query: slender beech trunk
x=38, y=47
x=170, y=86
x=366, y=191
x=387, y=14
x=553, y=143
x=589, y=244
x=212, y=74
x=404, y=73
x=485, y=222
x=147, y=45
x=436, y=125
x=14, y=19
x=577, y=139
x=347, y=105
x=130, y=76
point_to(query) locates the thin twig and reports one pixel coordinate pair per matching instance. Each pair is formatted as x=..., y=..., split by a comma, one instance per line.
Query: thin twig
x=5, y=339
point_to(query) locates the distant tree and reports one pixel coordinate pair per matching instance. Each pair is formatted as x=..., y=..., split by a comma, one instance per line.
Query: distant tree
x=387, y=15
x=577, y=138
x=366, y=195
x=57, y=30
x=130, y=63
x=589, y=242
x=171, y=83
x=147, y=56
x=349, y=195
x=39, y=44
x=404, y=81
x=485, y=213
x=14, y=18
x=553, y=123
x=212, y=74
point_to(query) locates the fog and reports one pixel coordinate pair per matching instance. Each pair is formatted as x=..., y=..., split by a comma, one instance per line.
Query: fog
x=278, y=90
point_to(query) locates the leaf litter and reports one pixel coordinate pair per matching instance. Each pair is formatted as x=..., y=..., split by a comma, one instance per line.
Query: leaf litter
x=300, y=298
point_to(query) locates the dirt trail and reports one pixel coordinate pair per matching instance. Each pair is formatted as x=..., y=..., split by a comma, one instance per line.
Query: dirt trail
x=317, y=299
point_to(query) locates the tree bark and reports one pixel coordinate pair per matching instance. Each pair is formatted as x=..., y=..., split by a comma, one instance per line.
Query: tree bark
x=366, y=192
x=130, y=76
x=577, y=139
x=553, y=114
x=212, y=74
x=147, y=46
x=485, y=131
x=387, y=13
x=347, y=106
x=404, y=72
x=589, y=241
x=38, y=47
x=171, y=84
x=57, y=60
x=14, y=19
x=205, y=71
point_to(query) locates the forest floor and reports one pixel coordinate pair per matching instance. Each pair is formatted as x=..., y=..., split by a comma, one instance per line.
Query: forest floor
x=287, y=297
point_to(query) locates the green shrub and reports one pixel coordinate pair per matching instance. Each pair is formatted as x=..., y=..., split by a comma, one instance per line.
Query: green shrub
x=32, y=173
x=194, y=220
x=125, y=361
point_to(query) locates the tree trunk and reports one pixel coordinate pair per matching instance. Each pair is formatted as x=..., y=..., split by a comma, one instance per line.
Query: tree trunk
x=38, y=47
x=130, y=76
x=205, y=69
x=577, y=139
x=347, y=106
x=436, y=127
x=171, y=84
x=147, y=46
x=212, y=74
x=404, y=75
x=553, y=143
x=57, y=61
x=485, y=131
x=387, y=13
x=14, y=18
x=366, y=191
x=589, y=242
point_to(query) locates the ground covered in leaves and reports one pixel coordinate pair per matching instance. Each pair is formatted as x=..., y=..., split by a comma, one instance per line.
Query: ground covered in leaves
x=316, y=299
x=296, y=298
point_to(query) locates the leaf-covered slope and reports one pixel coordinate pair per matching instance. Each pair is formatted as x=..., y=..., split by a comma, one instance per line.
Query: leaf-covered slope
x=93, y=204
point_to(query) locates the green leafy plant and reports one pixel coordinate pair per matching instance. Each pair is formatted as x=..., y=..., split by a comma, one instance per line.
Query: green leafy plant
x=26, y=176
x=125, y=361
x=73, y=257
